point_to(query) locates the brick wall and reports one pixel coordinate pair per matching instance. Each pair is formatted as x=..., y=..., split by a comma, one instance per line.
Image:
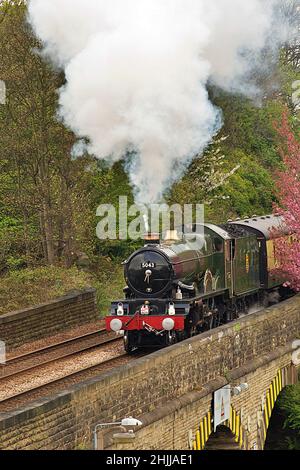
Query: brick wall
x=19, y=328
x=67, y=421
x=169, y=427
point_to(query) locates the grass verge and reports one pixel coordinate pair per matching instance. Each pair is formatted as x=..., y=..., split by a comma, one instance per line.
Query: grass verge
x=30, y=287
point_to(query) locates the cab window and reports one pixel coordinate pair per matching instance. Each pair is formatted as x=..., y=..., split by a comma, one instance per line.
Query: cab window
x=218, y=245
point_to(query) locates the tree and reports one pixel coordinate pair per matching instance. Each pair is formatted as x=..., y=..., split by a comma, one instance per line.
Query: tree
x=35, y=148
x=288, y=189
x=290, y=11
x=207, y=174
x=48, y=200
x=28, y=117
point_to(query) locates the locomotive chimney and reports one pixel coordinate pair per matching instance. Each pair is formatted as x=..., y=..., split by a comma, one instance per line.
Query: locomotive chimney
x=152, y=239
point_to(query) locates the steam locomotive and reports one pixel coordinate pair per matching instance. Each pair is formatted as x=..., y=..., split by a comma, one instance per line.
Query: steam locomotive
x=208, y=276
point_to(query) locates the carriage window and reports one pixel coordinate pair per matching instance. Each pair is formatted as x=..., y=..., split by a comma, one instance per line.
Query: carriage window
x=218, y=245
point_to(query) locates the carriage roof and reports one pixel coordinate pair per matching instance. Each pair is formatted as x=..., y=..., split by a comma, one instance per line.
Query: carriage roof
x=267, y=225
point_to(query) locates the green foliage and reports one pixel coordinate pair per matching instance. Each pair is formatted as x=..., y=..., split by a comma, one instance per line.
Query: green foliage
x=15, y=241
x=251, y=189
x=115, y=184
x=82, y=446
x=27, y=287
x=248, y=190
x=289, y=403
x=251, y=144
x=14, y=264
x=250, y=128
x=24, y=288
x=109, y=283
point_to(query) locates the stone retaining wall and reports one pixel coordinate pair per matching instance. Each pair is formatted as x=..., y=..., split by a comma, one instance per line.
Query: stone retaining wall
x=19, y=328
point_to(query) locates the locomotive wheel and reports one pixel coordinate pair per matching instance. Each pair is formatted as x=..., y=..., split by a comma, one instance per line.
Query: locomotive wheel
x=171, y=338
x=232, y=312
x=128, y=343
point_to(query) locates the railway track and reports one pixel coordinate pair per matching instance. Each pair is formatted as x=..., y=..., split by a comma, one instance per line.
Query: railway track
x=61, y=350
x=15, y=400
x=47, y=370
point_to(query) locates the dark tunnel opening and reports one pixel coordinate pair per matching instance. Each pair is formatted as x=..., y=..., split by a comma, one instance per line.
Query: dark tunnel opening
x=222, y=439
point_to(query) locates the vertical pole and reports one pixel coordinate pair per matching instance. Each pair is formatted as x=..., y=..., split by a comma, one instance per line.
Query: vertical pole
x=95, y=439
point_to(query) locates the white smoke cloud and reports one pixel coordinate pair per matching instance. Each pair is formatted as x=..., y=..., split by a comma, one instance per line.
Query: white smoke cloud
x=137, y=72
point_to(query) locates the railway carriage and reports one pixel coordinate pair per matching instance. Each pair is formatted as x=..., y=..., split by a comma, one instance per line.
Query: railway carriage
x=208, y=276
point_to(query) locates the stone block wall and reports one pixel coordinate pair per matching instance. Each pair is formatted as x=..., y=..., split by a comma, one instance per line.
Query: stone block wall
x=19, y=328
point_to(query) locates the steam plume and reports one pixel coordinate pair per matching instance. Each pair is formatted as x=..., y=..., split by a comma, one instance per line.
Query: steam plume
x=137, y=72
